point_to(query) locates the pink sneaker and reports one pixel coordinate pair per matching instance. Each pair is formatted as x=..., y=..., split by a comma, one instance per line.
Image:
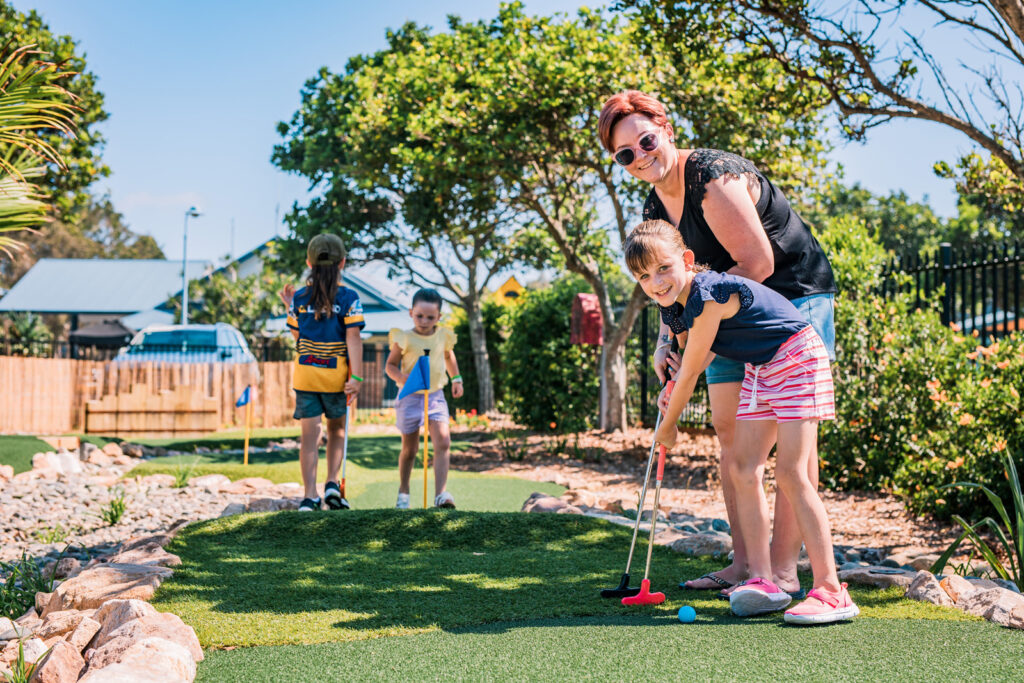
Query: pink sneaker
x=757, y=596
x=823, y=607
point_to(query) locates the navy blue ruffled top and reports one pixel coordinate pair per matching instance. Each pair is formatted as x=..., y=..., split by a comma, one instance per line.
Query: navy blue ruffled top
x=766, y=319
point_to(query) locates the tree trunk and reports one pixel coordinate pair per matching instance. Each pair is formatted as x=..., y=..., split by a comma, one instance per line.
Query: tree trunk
x=481, y=360
x=613, y=356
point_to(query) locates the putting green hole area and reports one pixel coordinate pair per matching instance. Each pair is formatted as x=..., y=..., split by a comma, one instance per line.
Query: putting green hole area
x=302, y=578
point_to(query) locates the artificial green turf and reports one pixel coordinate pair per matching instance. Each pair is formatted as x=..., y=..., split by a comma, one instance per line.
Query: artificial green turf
x=633, y=647
x=17, y=451
x=300, y=578
x=371, y=475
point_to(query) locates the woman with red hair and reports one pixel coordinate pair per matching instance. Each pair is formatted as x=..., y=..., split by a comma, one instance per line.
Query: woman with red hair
x=735, y=221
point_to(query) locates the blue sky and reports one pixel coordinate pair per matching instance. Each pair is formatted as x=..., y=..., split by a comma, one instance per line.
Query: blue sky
x=195, y=91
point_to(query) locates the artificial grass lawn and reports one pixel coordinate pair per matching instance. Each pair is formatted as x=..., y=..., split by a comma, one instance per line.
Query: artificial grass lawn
x=291, y=578
x=17, y=451
x=636, y=647
x=371, y=475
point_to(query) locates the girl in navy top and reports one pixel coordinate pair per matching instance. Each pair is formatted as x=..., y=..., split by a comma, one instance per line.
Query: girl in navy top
x=787, y=389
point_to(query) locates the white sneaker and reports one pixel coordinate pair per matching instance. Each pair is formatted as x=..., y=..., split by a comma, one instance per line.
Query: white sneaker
x=403, y=501
x=444, y=500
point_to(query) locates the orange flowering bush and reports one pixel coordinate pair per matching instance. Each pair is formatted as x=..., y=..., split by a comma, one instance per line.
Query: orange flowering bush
x=919, y=404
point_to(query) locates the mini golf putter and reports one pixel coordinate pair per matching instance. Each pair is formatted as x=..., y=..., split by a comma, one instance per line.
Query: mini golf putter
x=624, y=590
x=645, y=596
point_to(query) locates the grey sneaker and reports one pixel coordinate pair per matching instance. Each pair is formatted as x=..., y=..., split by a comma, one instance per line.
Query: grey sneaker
x=309, y=504
x=444, y=500
x=403, y=501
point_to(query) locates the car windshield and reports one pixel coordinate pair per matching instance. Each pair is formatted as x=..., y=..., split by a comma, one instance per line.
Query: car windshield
x=177, y=339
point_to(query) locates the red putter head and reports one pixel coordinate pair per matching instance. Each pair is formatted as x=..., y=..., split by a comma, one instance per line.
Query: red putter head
x=645, y=596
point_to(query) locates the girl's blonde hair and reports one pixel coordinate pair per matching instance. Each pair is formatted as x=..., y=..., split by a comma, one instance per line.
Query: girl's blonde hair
x=646, y=239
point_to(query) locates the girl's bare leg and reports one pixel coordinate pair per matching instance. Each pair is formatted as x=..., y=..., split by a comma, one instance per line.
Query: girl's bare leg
x=797, y=444
x=309, y=454
x=754, y=441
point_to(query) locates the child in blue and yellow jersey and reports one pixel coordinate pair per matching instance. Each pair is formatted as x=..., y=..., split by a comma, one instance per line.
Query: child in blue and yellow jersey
x=407, y=346
x=325, y=318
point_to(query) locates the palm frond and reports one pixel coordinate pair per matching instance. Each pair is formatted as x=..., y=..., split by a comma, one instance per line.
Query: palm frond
x=32, y=101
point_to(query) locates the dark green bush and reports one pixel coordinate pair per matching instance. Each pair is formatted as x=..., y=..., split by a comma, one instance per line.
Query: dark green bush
x=546, y=379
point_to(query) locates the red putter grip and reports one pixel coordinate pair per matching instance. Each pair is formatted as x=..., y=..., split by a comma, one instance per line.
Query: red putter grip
x=670, y=385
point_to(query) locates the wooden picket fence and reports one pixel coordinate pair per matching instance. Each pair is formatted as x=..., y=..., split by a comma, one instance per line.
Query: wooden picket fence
x=57, y=395
x=60, y=395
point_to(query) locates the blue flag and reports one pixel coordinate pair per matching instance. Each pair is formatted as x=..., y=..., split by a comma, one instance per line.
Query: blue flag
x=244, y=398
x=419, y=378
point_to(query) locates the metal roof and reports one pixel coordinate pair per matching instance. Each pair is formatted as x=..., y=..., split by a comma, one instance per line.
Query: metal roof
x=97, y=286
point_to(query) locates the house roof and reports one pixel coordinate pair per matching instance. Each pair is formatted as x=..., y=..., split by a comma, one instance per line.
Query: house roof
x=97, y=286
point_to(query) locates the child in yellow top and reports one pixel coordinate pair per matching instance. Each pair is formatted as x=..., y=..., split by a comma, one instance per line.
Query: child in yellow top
x=407, y=346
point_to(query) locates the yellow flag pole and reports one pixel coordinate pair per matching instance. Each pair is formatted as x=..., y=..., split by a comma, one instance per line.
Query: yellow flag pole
x=248, y=425
x=426, y=433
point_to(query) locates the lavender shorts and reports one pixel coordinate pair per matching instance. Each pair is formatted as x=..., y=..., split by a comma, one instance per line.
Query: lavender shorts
x=409, y=411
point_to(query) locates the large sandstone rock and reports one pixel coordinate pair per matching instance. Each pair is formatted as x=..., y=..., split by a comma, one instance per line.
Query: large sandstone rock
x=214, y=483
x=6, y=473
x=95, y=586
x=154, y=660
x=113, y=450
x=878, y=577
x=111, y=645
x=273, y=504
x=59, y=623
x=46, y=461
x=63, y=664
x=540, y=502
x=34, y=649
x=158, y=480
x=715, y=545
x=994, y=604
x=69, y=463
x=925, y=587
x=247, y=486
x=113, y=614
x=1016, y=618
x=152, y=554
x=957, y=587
x=87, y=629
x=143, y=541
x=232, y=509
x=9, y=630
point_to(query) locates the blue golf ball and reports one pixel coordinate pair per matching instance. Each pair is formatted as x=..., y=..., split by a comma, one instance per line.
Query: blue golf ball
x=687, y=614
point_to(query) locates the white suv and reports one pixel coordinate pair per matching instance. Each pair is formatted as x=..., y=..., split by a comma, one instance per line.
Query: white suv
x=217, y=343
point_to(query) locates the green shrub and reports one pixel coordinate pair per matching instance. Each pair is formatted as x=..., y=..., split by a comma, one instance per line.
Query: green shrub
x=546, y=379
x=20, y=580
x=919, y=405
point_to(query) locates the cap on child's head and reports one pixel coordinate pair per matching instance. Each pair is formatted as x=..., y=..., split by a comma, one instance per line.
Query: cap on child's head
x=325, y=250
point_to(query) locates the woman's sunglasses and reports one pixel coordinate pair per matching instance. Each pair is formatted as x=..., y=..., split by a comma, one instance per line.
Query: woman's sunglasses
x=648, y=143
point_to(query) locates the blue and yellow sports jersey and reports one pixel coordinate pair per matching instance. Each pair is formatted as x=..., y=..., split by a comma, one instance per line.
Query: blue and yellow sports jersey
x=322, y=361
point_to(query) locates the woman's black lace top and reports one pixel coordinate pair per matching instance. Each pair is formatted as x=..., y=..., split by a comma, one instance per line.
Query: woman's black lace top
x=801, y=267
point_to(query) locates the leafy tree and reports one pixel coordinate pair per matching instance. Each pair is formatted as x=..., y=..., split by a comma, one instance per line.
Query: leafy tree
x=855, y=59
x=388, y=191
x=531, y=117
x=246, y=303
x=79, y=224
x=98, y=231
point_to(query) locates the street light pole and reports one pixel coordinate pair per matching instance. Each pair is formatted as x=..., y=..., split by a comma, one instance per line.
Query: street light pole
x=194, y=213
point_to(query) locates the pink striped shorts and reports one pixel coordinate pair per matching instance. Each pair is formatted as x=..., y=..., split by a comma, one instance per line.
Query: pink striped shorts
x=794, y=385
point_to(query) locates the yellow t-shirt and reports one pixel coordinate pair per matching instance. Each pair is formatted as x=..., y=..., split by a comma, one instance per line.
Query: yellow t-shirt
x=413, y=345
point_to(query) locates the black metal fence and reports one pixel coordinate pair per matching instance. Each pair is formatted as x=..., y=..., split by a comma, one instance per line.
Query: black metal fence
x=979, y=286
x=645, y=339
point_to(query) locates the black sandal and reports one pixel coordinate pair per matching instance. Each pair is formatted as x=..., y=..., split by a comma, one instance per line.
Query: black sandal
x=722, y=583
